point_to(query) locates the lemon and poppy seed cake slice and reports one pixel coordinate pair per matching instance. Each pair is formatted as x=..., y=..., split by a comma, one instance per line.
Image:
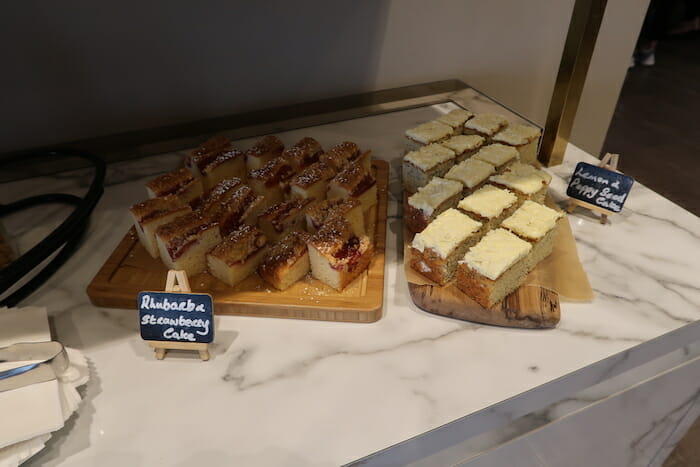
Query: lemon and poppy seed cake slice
x=524, y=138
x=418, y=167
x=494, y=267
x=431, y=200
x=436, y=250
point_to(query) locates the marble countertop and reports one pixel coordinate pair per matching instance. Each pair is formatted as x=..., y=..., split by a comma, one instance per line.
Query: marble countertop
x=286, y=392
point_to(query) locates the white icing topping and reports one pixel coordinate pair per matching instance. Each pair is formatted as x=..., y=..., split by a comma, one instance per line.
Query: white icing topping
x=430, y=132
x=523, y=178
x=432, y=195
x=456, y=118
x=532, y=220
x=446, y=233
x=488, y=201
x=496, y=154
x=470, y=172
x=429, y=156
x=461, y=143
x=486, y=123
x=495, y=253
x=517, y=135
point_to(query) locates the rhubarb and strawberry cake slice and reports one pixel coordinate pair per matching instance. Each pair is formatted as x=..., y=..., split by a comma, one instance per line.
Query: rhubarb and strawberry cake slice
x=312, y=182
x=287, y=261
x=202, y=155
x=283, y=217
x=227, y=164
x=346, y=153
x=263, y=151
x=348, y=208
x=354, y=181
x=304, y=153
x=337, y=255
x=238, y=255
x=180, y=183
x=272, y=180
x=232, y=204
x=151, y=214
x=184, y=242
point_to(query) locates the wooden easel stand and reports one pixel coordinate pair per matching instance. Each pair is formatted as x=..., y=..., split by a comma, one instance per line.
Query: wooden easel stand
x=609, y=162
x=177, y=282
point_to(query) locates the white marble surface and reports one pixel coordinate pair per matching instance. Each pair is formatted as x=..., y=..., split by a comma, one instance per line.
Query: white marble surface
x=285, y=392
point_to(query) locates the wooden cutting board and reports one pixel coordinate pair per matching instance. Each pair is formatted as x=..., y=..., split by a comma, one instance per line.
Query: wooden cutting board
x=530, y=306
x=130, y=269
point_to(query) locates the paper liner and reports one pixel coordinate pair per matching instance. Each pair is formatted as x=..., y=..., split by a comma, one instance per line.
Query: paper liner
x=561, y=272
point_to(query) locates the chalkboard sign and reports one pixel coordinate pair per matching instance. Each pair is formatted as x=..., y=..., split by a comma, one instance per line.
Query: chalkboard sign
x=600, y=187
x=176, y=317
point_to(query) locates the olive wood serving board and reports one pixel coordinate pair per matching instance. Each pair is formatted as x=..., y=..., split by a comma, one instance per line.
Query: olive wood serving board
x=530, y=306
x=130, y=269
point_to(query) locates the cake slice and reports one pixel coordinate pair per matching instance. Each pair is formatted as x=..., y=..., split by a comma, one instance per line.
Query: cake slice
x=490, y=205
x=485, y=124
x=180, y=183
x=430, y=200
x=494, y=267
x=348, y=208
x=464, y=146
x=524, y=138
x=238, y=255
x=456, y=119
x=533, y=221
x=498, y=155
x=312, y=182
x=202, y=155
x=525, y=181
x=151, y=214
x=418, y=167
x=471, y=173
x=228, y=164
x=436, y=250
x=304, y=153
x=271, y=180
x=287, y=261
x=337, y=255
x=184, y=242
x=354, y=181
x=345, y=153
x=232, y=205
x=263, y=151
x=282, y=217
x=428, y=133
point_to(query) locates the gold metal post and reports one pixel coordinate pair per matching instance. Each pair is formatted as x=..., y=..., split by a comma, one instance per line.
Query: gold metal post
x=575, y=59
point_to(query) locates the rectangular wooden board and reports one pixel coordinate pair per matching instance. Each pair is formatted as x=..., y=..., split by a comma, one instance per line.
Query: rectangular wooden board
x=130, y=269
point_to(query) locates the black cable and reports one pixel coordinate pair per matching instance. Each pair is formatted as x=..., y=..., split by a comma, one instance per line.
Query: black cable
x=66, y=236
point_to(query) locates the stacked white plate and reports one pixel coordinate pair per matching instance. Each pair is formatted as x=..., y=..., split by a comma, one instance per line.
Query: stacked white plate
x=31, y=413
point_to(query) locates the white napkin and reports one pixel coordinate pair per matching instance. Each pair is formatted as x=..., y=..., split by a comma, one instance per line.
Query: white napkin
x=33, y=412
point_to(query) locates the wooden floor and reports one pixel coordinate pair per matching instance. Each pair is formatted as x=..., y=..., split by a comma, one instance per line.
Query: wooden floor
x=656, y=129
x=656, y=126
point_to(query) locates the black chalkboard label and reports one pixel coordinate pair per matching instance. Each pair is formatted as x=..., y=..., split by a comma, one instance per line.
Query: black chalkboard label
x=176, y=317
x=600, y=187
